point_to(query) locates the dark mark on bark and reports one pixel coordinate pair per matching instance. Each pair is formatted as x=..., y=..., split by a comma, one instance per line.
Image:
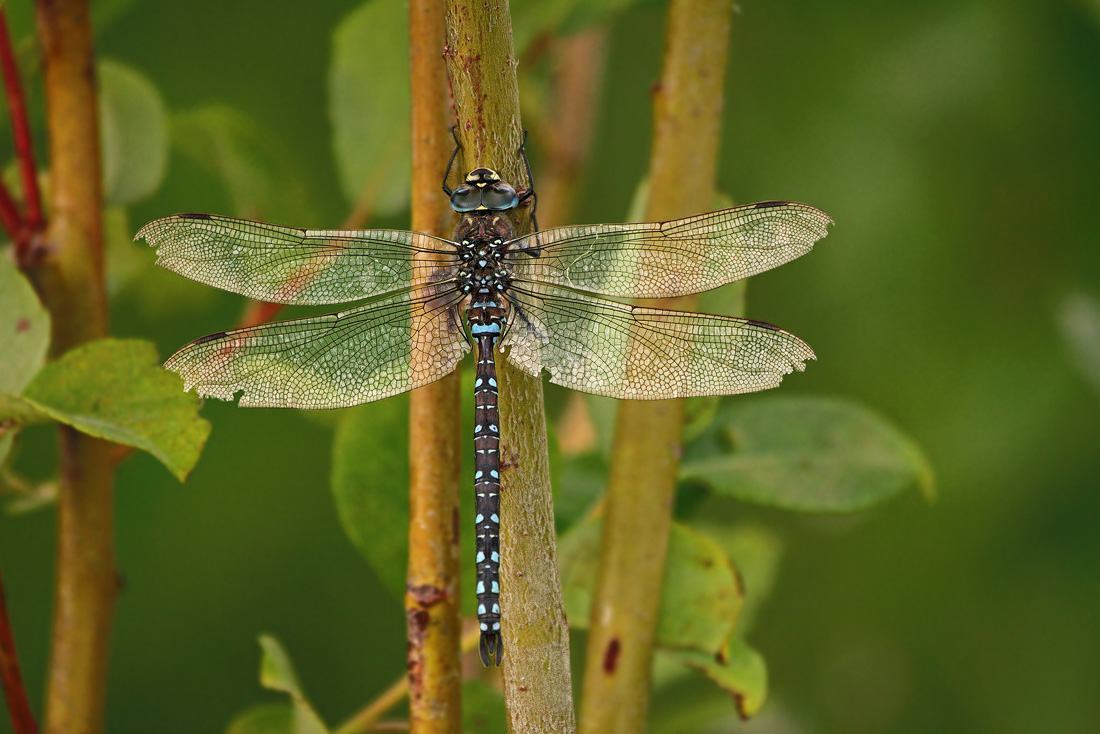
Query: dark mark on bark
x=426, y=595
x=611, y=656
x=418, y=624
x=508, y=458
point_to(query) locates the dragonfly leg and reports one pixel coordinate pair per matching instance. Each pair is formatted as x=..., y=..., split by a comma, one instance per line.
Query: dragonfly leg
x=447, y=174
x=529, y=192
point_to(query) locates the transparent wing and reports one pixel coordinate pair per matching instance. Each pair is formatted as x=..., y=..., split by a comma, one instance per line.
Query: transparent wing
x=288, y=265
x=635, y=353
x=665, y=259
x=367, y=353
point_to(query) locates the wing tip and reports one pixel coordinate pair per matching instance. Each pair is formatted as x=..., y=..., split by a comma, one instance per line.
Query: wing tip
x=146, y=232
x=205, y=390
x=817, y=216
x=796, y=351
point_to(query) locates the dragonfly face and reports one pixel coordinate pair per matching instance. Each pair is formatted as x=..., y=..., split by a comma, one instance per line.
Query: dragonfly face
x=484, y=191
x=540, y=296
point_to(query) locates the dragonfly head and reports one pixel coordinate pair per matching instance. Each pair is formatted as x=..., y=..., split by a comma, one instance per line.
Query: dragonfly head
x=483, y=191
x=482, y=177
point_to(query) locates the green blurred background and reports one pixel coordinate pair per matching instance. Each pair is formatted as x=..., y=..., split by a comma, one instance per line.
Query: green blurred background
x=957, y=146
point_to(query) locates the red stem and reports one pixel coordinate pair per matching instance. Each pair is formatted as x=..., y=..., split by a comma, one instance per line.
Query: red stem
x=11, y=219
x=21, y=131
x=22, y=720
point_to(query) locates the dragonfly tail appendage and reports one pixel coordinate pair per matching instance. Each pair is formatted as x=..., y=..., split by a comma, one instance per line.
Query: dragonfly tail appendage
x=491, y=647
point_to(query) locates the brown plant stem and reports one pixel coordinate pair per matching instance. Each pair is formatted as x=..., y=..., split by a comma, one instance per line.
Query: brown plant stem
x=645, y=462
x=481, y=66
x=69, y=277
x=432, y=595
x=19, y=708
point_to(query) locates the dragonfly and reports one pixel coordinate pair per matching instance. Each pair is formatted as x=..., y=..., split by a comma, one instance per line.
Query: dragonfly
x=543, y=301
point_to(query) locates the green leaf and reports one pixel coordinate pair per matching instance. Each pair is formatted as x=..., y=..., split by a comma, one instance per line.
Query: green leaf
x=808, y=454
x=756, y=552
x=24, y=330
x=134, y=134
x=740, y=671
x=276, y=670
x=259, y=176
x=482, y=709
x=700, y=598
x=277, y=673
x=370, y=480
x=24, y=339
x=369, y=105
x=275, y=718
x=116, y=390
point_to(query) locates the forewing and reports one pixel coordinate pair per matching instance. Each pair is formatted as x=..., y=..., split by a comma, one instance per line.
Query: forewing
x=635, y=353
x=367, y=353
x=288, y=265
x=666, y=259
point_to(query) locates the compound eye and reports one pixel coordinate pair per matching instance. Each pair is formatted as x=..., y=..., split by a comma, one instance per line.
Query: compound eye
x=499, y=196
x=465, y=198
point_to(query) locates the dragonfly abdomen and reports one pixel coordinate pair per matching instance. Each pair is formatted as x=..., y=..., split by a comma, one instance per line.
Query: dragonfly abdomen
x=487, y=490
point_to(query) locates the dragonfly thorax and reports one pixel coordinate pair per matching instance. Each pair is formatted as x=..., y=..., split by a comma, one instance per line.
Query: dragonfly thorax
x=482, y=271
